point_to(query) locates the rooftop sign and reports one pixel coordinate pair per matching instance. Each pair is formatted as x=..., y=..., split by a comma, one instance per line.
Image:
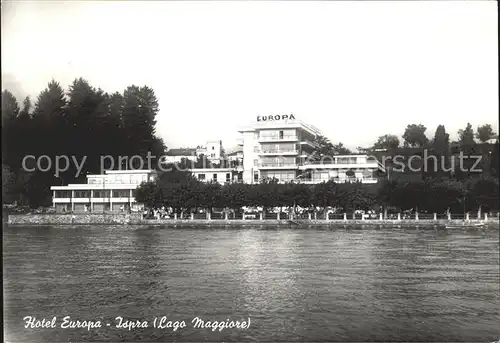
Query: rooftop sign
x=275, y=117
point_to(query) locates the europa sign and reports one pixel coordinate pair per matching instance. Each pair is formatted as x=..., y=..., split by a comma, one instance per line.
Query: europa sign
x=275, y=117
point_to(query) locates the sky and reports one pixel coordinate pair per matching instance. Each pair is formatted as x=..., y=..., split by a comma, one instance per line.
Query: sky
x=355, y=70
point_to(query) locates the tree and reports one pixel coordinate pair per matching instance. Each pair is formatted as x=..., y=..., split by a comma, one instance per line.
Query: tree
x=355, y=196
x=442, y=195
x=324, y=146
x=485, y=133
x=441, y=149
x=237, y=195
x=386, y=195
x=325, y=194
x=466, y=137
x=441, y=142
x=10, y=107
x=149, y=194
x=49, y=119
x=86, y=107
x=414, y=136
x=386, y=142
x=495, y=160
x=140, y=107
x=327, y=148
x=10, y=111
x=26, y=111
x=484, y=193
x=340, y=149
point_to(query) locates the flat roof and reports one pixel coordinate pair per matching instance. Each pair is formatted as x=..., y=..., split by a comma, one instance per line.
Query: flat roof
x=278, y=124
x=211, y=170
x=131, y=171
x=95, y=186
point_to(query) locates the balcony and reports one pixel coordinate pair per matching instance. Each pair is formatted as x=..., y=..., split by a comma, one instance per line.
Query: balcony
x=278, y=165
x=285, y=138
x=308, y=142
x=338, y=180
x=328, y=163
x=267, y=152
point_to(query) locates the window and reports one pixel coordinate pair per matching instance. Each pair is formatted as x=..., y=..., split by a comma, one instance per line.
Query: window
x=228, y=177
x=102, y=194
x=255, y=163
x=82, y=194
x=281, y=134
x=256, y=177
x=201, y=176
x=63, y=194
x=215, y=177
x=121, y=193
x=213, y=148
x=212, y=155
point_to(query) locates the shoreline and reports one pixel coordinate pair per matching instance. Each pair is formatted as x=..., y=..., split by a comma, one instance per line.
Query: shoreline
x=137, y=220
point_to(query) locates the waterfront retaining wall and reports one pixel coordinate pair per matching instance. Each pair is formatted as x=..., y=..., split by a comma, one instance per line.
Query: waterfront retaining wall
x=70, y=219
x=300, y=223
x=136, y=219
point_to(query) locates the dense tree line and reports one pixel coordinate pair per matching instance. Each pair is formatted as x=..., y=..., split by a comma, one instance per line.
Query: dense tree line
x=415, y=136
x=469, y=143
x=82, y=122
x=182, y=192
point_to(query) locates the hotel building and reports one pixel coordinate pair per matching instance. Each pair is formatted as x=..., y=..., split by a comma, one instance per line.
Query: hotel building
x=109, y=192
x=282, y=147
x=275, y=146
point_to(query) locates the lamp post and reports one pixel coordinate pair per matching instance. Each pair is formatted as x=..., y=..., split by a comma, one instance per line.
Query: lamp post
x=104, y=193
x=464, y=201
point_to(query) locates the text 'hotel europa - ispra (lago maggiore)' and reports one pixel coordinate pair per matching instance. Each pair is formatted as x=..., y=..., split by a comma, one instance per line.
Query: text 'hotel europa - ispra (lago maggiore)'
x=160, y=322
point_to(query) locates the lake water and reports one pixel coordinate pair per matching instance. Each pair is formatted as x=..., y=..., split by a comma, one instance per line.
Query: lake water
x=315, y=284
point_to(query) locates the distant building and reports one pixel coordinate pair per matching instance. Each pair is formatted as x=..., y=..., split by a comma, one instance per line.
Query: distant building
x=213, y=151
x=176, y=155
x=110, y=192
x=220, y=175
x=235, y=158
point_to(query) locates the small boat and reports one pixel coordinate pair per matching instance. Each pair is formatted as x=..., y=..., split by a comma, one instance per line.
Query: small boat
x=464, y=225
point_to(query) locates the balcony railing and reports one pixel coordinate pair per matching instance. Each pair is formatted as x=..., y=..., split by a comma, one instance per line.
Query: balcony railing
x=277, y=164
x=278, y=151
x=307, y=141
x=338, y=180
x=331, y=161
x=279, y=138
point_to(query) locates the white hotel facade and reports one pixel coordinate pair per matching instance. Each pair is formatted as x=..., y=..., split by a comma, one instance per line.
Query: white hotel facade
x=278, y=146
x=282, y=147
x=109, y=192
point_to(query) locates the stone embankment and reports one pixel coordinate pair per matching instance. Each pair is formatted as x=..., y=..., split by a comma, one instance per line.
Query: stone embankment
x=71, y=219
x=136, y=219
